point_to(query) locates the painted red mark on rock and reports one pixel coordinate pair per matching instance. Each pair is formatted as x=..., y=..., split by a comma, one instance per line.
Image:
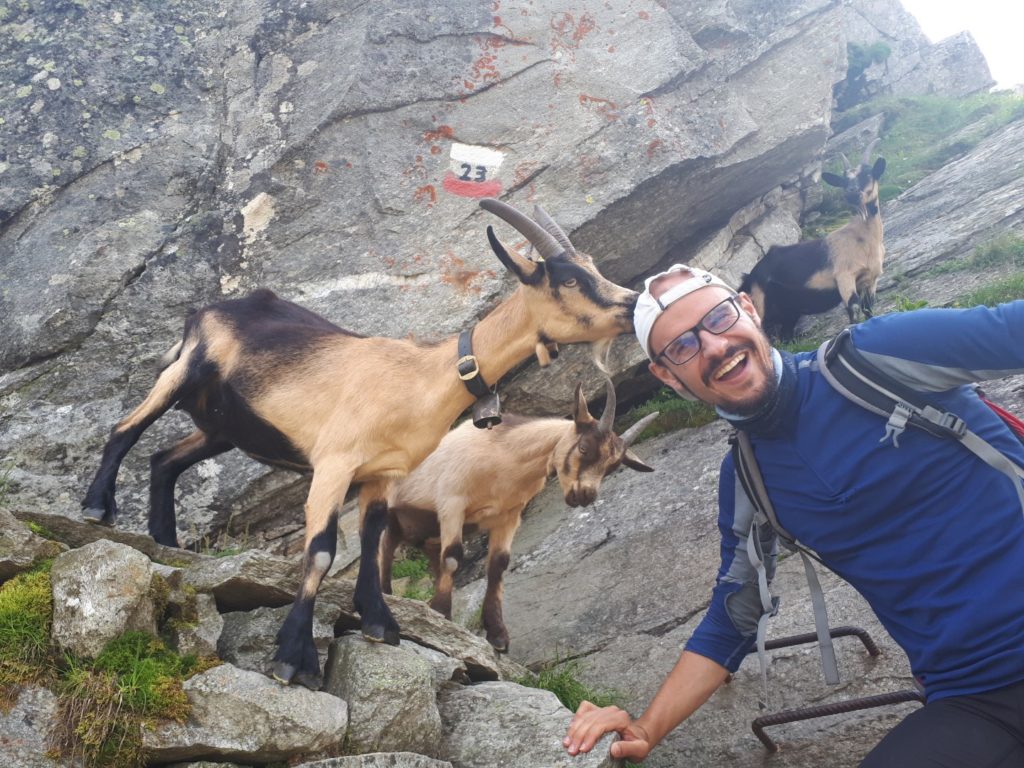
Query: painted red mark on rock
x=463, y=188
x=441, y=132
x=568, y=32
x=320, y=167
x=653, y=146
x=607, y=109
x=426, y=193
x=643, y=15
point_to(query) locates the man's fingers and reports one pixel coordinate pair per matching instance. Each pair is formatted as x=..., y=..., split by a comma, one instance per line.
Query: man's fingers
x=630, y=750
x=588, y=727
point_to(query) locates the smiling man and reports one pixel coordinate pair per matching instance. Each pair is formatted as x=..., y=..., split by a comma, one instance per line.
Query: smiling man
x=927, y=532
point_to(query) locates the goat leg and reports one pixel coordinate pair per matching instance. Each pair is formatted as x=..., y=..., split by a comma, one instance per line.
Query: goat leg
x=377, y=623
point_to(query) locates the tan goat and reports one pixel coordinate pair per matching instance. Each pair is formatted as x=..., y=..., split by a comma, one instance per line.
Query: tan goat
x=293, y=390
x=813, y=276
x=483, y=479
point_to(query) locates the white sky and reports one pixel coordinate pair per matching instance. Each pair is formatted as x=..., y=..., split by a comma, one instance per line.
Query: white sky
x=996, y=25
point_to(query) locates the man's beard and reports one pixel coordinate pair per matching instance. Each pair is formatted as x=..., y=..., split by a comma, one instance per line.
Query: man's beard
x=754, y=401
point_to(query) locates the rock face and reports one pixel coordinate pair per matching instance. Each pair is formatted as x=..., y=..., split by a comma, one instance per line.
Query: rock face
x=99, y=592
x=168, y=156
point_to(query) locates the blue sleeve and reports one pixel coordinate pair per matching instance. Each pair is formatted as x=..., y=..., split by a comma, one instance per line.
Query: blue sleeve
x=726, y=633
x=939, y=349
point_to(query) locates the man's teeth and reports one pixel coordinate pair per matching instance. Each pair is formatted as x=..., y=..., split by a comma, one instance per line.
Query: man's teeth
x=730, y=365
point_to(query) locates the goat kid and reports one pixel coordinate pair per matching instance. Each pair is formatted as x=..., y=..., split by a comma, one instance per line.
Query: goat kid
x=293, y=390
x=813, y=276
x=482, y=479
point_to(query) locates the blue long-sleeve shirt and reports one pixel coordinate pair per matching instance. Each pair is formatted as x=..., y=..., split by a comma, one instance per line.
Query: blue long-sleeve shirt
x=930, y=535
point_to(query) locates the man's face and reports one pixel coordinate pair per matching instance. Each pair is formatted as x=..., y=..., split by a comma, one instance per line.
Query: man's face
x=733, y=369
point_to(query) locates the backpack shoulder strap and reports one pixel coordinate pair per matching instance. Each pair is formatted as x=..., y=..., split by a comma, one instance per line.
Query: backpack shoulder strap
x=850, y=374
x=750, y=478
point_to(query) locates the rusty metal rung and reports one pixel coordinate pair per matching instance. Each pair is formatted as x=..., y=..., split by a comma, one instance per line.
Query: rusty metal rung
x=811, y=637
x=821, y=710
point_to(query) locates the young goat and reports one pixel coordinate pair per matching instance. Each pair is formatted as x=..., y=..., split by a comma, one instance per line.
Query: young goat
x=293, y=390
x=484, y=478
x=815, y=275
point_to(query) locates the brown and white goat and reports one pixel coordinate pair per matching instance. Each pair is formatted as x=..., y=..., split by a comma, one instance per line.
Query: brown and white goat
x=813, y=276
x=482, y=479
x=293, y=390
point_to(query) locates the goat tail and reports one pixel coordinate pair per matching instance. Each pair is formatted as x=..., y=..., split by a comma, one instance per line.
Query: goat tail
x=600, y=352
x=170, y=355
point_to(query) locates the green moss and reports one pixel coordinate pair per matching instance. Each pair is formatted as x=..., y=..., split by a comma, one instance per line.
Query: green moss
x=42, y=531
x=676, y=413
x=26, y=612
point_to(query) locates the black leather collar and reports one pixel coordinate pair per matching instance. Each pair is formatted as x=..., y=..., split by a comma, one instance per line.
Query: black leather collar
x=468, y=367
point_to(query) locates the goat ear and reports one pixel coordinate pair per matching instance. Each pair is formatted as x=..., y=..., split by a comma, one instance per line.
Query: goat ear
x=580, y=413
x=834, y=180
x=632, y=461
x=879, y=168
x=528, y=272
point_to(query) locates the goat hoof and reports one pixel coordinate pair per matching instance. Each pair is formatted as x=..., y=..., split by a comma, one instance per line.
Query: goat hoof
x=500, y=644
x=309, y=680
x=98, y=516
x=377, y=633
x=283, y=672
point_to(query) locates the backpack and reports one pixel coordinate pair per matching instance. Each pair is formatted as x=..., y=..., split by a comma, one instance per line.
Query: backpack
x=854, y=377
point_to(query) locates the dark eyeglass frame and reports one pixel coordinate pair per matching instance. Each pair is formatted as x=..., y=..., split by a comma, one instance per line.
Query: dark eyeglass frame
x=701, y=327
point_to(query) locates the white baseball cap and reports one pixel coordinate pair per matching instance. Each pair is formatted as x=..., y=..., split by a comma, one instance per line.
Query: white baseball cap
x=648, y=308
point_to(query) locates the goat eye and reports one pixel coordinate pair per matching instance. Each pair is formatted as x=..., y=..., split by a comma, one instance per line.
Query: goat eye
x=570, y=283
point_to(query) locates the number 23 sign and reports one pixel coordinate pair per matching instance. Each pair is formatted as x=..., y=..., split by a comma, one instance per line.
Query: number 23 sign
x=473, y=171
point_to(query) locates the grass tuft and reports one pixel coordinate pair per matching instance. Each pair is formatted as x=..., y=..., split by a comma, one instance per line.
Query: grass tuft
x=415, y=567
x=26, y=612
x=676, y=413
x=563, y=680
x=1005, y=250
x=104, y=705
x=999, y=292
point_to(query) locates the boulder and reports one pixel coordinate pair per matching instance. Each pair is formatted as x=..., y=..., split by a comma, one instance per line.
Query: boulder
x=504, y=725
x=247, y=717
x=20, y=548
x=100, y=591
x=390, y=696
x=251, y=579
x=25, y=727
x=196, y=627
x=249, y=638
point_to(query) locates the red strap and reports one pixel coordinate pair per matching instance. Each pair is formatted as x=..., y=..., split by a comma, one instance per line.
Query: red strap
x=1014, y=423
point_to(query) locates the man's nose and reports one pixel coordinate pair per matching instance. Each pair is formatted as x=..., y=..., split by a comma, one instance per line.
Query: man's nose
x=711, y=343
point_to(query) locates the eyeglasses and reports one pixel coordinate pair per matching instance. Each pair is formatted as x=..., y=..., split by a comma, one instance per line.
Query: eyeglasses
x=719, y=319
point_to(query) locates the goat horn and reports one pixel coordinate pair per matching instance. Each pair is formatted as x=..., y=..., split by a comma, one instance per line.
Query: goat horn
x=846, y=163
x=866, y=158
x=608, y=415
x=545, y=243
x=631, y=434
x=542, y=218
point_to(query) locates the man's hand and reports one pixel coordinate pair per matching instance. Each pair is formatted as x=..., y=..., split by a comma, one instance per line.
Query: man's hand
x=592, y=722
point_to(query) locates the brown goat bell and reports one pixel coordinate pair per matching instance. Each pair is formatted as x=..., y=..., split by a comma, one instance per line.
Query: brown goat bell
x=483, y=479
x=293, y=390
x=813, y=276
